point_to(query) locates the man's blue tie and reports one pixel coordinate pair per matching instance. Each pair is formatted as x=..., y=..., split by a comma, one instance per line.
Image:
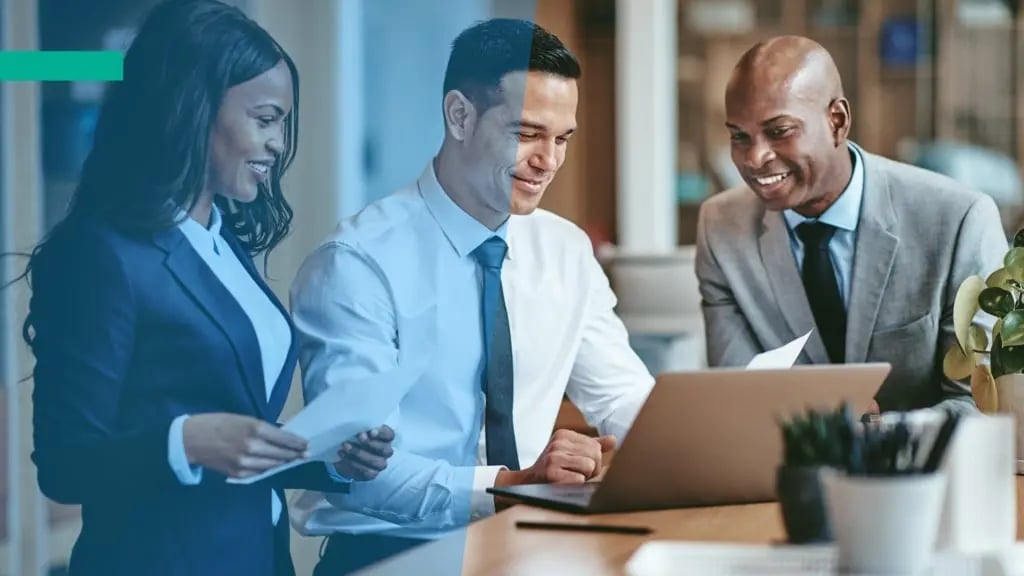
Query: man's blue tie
x=497, y=380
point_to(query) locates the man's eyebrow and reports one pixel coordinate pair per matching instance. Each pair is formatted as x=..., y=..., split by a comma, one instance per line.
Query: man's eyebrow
x=537, y=126
x=526, y=124
x=771, y=120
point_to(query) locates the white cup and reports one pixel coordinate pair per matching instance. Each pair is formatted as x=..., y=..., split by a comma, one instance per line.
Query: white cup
x=980, y=513
x=884, y=525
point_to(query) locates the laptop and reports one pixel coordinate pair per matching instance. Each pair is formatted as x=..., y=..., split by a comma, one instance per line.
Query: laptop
x=708, y=438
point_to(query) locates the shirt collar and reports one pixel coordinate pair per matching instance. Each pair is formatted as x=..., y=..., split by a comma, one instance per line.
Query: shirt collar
x=844, y=213
x=463, y=232
x=194, y=230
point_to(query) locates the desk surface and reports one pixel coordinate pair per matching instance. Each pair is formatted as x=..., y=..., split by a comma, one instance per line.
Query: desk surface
x=496, y=546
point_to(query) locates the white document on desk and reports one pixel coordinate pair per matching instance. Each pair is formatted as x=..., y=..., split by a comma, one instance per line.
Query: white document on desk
x=342, y=412
x=668, y=558
x=781, y=358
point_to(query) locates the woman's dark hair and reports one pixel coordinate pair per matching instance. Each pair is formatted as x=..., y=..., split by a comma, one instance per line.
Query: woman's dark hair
x=149, y=156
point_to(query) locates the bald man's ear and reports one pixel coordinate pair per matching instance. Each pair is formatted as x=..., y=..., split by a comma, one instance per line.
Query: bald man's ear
x=459, y=115
x=839, y=120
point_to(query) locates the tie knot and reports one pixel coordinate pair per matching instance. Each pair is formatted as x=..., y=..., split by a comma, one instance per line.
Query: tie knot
x=815, y=235
x=491, y=253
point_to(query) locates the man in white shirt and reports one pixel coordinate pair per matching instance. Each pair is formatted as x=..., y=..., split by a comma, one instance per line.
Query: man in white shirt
x=506, y=301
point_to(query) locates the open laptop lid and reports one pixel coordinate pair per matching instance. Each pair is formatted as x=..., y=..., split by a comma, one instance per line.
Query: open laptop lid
x=712, y=436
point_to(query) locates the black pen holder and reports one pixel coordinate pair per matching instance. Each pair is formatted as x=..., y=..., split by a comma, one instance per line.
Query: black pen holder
x=802, y=502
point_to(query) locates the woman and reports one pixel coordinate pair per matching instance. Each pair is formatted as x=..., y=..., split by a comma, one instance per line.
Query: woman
x=162, y=359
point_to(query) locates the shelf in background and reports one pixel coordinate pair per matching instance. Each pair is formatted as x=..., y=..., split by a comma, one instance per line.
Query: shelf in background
x=833, y=32
x=958, y=79
x=904, y=74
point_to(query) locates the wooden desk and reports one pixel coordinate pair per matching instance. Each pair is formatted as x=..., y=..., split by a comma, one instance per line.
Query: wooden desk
x=496, y=547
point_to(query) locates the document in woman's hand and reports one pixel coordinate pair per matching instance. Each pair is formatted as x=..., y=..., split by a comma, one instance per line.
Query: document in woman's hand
x=343, y=411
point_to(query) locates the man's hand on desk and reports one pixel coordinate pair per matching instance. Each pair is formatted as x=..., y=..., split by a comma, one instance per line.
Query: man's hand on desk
x=570, y=458
x=367, y=456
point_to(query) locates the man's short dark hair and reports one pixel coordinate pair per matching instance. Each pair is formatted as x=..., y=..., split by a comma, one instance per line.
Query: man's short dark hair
x=483, y=54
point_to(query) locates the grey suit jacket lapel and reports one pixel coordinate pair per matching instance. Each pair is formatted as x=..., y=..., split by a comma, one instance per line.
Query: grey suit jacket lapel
x=787, y=286
x=874, y=255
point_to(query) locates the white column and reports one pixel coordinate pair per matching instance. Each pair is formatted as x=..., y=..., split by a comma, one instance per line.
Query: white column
x=7, y=300
x=351, y=134
x=27, y=520
x=645, y=71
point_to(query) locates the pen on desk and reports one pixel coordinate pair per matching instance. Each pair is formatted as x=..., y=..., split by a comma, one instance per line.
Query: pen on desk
x=583, y=527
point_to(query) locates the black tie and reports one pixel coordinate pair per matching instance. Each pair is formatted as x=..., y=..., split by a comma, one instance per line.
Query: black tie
x=497, y=380
x=822, y=288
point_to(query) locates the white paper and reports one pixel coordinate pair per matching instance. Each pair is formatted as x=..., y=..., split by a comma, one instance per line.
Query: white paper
x=668, y=558
x=780, y=358
x=342, y=412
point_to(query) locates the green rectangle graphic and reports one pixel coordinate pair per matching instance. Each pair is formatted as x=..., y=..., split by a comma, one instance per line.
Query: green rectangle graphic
x=57, y=65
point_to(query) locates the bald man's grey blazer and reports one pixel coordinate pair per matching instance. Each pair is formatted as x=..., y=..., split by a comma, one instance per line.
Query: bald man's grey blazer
x=919, y=235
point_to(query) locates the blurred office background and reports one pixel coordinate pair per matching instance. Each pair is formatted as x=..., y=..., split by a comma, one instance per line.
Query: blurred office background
x=939, y=83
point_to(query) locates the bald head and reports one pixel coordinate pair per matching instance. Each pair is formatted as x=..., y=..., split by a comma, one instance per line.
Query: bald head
x=790, y=63
x=788, y=120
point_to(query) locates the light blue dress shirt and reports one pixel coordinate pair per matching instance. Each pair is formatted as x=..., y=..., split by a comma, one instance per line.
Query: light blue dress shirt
x=447, y=402
x=271, y=329
x=844, y=214
x=396, y=290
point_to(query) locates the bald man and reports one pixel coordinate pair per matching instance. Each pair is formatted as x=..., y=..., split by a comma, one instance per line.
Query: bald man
x=823, y=234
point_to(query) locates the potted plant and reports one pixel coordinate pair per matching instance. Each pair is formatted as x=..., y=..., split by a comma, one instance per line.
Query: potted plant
x=811, y=442
x=996, y=373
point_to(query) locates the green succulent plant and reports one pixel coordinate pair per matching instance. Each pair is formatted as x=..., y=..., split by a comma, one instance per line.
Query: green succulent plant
x=813, y=439
x=1001, y=295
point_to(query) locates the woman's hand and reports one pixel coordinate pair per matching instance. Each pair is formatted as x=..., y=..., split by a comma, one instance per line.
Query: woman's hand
x=238, y=446
x=366, y=456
